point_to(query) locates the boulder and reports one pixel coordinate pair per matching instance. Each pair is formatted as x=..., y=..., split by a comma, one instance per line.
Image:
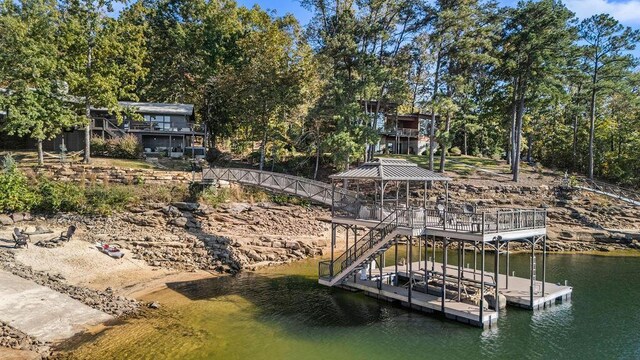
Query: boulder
x=293, y=245
x=17, y=217
x=171, y=211
x=5, y=220
x=179, y=221
x=186, y=206
x=153, y=305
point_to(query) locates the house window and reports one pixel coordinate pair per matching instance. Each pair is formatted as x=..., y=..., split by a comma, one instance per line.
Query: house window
x=159, y=122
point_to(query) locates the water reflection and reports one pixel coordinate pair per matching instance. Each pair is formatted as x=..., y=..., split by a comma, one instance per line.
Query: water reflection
x=284, y=314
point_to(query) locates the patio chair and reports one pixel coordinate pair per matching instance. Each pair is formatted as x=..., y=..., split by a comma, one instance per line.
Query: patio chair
x=20, y=238
x=69, y=234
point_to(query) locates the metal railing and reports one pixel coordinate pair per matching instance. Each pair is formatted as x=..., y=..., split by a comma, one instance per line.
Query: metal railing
x=354, y=254
x=153, y=126
x=452, y=219
x=614, y=191
x=401, y=131
x=347, y=203
x=318, y=191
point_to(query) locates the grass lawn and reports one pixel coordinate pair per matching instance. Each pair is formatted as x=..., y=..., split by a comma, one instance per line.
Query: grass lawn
x=30, y=158
x=465, y=165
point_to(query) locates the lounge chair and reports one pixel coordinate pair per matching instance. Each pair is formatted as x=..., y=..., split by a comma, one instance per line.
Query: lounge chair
x=69, y=234
x=20, y=238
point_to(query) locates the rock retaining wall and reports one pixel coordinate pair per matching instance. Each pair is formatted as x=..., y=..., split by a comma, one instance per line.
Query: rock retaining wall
x=97, y=174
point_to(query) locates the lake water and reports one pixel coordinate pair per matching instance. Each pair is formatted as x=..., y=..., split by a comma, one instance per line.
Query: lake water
x=282, y=313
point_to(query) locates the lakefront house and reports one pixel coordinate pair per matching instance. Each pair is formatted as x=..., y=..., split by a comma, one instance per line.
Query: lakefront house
x=163, y=129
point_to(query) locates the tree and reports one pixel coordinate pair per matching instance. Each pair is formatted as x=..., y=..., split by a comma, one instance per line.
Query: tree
x=103, y=57
x=261, y=93
x=364, y=44
x=538, y=34
x=605, y=61
x=466, y=31
x=34, y=94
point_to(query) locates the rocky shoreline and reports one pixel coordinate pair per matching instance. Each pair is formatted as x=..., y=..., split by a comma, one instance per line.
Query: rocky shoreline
x=182, y=237
x=13, y=338
x=189, y=237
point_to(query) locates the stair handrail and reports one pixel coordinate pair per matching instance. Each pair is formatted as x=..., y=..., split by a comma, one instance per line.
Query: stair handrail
x=111, y=126
x=364, y=244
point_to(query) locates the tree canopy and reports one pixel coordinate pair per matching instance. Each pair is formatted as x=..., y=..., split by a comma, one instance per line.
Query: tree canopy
x=524, y=83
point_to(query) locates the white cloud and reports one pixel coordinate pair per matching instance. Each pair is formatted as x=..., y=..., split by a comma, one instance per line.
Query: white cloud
x=625, y=11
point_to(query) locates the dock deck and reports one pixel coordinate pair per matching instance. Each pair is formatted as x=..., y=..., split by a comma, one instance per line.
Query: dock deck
x=517, y=294
x=458, y=311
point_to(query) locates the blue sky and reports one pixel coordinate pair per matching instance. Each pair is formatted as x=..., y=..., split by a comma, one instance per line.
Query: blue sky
x=626, y=11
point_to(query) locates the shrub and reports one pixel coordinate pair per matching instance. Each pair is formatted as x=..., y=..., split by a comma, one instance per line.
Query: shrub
x=58, y=196
x=125, y=147
x=98, y=146
x=455, y=151
x=101, y=200
x=214, y=196
x=15, y=193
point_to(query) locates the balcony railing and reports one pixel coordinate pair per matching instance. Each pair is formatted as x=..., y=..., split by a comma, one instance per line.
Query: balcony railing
x=401, y=132
x=154, y=126
x=456, y=218
x=127, y=125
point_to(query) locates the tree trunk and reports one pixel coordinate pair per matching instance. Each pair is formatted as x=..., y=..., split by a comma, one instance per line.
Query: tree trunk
x=514, y=110
x=529, y=147
x=40, y=153
x=315, y=171
x=87, y=110
x=575, y=140
x=575, y=131
x=87, y=134
x=443, y=143
x=263, y=145
x=517, y=137
x=432, y=131
x=592, y=129
x=465, y=141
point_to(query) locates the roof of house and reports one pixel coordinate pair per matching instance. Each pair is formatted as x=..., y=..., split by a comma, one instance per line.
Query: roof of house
x=157, y=108
x=142, y=107
x=390, y=169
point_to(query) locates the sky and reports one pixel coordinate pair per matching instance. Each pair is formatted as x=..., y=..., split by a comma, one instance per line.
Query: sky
x=625, y=11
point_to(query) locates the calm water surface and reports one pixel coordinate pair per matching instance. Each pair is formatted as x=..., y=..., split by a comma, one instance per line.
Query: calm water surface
x=282, y=313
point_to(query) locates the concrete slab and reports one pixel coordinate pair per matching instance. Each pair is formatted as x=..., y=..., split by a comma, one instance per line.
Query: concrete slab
x=41, y=312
